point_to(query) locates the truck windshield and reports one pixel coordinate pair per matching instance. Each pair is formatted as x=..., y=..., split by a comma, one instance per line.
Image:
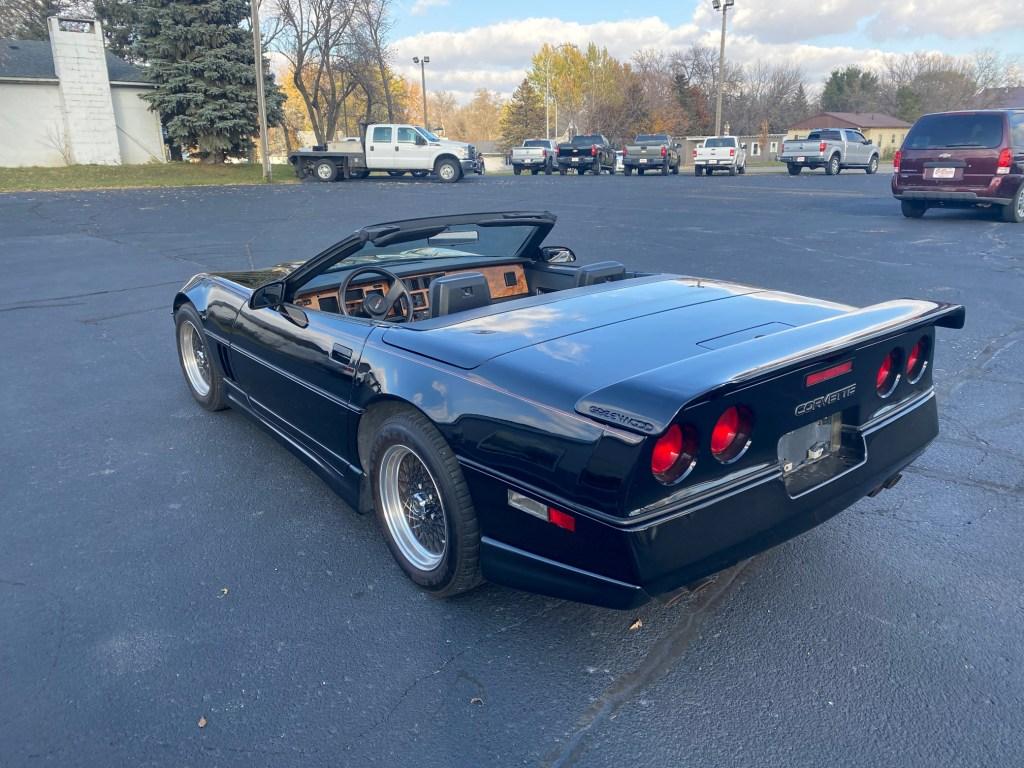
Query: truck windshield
x=651, y=138
x=960, y=130
x=457, y=240
x=720, y=141
x=427, y=134
x=535, y=143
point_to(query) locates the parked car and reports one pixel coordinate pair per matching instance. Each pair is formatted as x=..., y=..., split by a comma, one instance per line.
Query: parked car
x=393, y=148
x=590, y=432
x=962, y=160
x=590, y=152
x=535, y=155
x=720, y=153
x=651, y=151
x=832, y=149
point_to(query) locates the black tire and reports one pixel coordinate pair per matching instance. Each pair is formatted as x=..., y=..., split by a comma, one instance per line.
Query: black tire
x=581, y=171
x=1014, y=212
x=794, y=169
x=325, y=171
x=640, y=171
x=534, y=171
x=448, y=171
x=696, y=170
x=708, y=170
x=420, y=174
x=596, y=168
x=627, y=170
x=732, y=170
x=361, y=174
x=742, y=170
x=675, y=170
x=215, y=398
x=872, y=168
x=459, y=568
x=913, y=209
x=517, y=170
x=664, y=169
x=832, y=169
x=561, y=171
x=396, y=174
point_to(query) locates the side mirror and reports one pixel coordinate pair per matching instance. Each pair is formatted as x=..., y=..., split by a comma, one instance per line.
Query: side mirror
x=557, y=254
x=270, y=295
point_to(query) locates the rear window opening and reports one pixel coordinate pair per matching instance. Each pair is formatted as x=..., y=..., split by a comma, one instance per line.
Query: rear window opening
x=720, y=142
x=961, y=131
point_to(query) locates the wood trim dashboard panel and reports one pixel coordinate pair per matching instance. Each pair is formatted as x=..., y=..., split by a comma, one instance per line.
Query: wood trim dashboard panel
x=504, y=281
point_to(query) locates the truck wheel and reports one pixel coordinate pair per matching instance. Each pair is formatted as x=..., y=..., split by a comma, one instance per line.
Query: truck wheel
x=675, y=169
x=611, y=169
x=872, y=166
x=396, y=174
x=448, y=171
x=1014, y=212
x=832, y=169
x=913, y=209
x=696, y=170
x=628, y=170
x=325, y=170
x=517, y=170
x=596, y=169
x=794, y=169
x=639, y=171
x=420, y=174
x=732, y=170
x=743, y=170
x=708, y=170
x=664, y=169
x=534, y=171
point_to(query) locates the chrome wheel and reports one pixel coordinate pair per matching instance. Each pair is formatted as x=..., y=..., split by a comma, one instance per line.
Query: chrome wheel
x=194, y=358
x=447, y=171
x=325, y=171
x=412, y=507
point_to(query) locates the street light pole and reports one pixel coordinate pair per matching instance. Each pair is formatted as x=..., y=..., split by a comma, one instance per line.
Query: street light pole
x=423, y=61
x=724, y=5
x=261, y=98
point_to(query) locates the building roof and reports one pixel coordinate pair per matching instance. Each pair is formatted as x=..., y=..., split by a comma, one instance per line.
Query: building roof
x=33, y=60
x=1000, y=98
x=858, y=120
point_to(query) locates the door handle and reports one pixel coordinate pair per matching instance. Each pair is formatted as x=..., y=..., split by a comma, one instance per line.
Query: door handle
x=371, y=147
x=396, y=148
x=341, y=354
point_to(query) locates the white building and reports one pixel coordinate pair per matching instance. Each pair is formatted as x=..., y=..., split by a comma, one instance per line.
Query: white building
x=68, y=101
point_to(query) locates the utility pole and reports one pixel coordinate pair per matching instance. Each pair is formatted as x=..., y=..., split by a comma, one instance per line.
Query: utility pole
x=261, y=97
x=423, y=84
x=724, y=5
x=547, y=97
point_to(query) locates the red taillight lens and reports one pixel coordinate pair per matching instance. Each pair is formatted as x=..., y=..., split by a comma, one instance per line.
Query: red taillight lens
x=593, y=150
x=821, y=147
x=917, y=360
x=561, y=519
x=732, y=153
x=1005, y=158
x=888, y=374
x=625, y=150
x=674, y=454
x=695, y=154
x=731, y=433
x=664, y=151
x=896, y=161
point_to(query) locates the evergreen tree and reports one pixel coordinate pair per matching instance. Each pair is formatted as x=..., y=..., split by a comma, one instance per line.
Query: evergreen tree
x=799, y=109
x=201, y=61
x=851, y=90
x=120, y=19
x=523, y=116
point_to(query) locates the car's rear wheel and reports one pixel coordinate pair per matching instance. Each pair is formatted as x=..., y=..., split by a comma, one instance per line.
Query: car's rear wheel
x=423, y=505
x=1014, y=212
x=872, y=166
x=325, y=170
x=664, y=169
x=913, y=209
x=627, y=170
x=832, y=169
x=696, y=171
x=202, y=374
x=396, y=174
x=794, y=169
x=517, y=170
x=596, y=168
x=708, y=170
x=675, y=169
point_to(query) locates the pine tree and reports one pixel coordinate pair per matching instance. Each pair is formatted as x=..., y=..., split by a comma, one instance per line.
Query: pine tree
x=800, y=109
x=523, y=116
x=120, y=19
x=201, y=62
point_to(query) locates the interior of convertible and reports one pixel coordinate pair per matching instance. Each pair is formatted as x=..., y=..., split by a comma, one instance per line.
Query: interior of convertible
x=441, y=269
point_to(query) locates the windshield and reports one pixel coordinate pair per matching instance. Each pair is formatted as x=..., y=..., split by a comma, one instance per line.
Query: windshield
x=720, y=142
x=535, y=143
x=455, y=241
x=427, y=134
x=950, y=131
x=650, y=138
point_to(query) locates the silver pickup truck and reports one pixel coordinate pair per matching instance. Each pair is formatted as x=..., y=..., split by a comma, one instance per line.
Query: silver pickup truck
x=832, y=149
x=535, y=155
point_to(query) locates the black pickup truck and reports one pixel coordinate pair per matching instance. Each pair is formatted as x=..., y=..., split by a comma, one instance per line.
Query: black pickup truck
x=591, y=152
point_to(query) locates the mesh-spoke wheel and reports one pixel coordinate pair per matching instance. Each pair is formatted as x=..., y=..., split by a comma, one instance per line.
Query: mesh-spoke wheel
x=413, y=508
x=194, y=358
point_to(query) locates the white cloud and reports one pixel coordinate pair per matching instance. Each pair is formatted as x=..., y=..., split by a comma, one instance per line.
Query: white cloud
x=420, y=7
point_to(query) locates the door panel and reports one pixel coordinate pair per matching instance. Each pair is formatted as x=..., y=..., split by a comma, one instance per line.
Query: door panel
x=380, y=151
x=301, y=378
x=407, y=153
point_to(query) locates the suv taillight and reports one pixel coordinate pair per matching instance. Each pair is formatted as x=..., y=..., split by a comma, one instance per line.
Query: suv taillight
x=896, y=161
x=1005, y=161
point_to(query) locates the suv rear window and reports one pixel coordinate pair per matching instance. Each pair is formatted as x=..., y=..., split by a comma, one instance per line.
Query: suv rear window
x=951, y=131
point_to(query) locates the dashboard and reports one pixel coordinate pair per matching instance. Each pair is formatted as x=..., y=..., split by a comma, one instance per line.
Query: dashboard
x=504, y=281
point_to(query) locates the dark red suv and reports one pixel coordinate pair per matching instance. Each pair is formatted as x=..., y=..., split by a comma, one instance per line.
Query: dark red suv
x=962, y=160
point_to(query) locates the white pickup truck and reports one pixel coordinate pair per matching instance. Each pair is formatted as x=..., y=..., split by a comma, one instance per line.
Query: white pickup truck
x=393, y=148
x=720, y=153
x=832, y=149
x=535, y=155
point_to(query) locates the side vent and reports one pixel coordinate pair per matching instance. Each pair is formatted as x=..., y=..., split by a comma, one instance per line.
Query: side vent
x=225, y=361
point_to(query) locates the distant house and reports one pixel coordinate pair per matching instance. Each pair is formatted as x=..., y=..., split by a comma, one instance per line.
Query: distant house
x=886, y=131
x=1000, y=98
x=68, y=101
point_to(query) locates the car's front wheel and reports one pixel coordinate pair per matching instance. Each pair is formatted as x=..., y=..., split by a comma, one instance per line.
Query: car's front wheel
x=1014, y=212
x=423, y=505
x=202, y=374
x=872, y=165
x=448, y=171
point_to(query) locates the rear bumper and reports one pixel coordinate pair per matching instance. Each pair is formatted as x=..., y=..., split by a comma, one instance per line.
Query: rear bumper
x=808, y=159
x=957, y=198
x=999, y=191
x=529, y=161
x=624, y=565
x=585, y=161
x=652, y=162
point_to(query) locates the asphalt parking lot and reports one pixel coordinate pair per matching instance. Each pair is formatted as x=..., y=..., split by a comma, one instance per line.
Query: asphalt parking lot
x=160, y=565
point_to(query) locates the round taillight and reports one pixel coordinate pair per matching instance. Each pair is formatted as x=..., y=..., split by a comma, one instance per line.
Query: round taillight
x=674, y=454
x=917, y=360
x=888, y=374
x=731, y=433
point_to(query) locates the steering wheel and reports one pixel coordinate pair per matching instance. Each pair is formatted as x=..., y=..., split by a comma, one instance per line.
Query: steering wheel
x=375, y=305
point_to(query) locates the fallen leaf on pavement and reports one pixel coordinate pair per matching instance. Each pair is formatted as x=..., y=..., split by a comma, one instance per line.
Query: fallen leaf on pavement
x=202, y=722
x=476, y=700
x=635, y=625
x=223, y=592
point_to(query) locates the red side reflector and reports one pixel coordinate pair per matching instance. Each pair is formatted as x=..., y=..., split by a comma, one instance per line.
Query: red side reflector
x=829, y=373
x=561, y=519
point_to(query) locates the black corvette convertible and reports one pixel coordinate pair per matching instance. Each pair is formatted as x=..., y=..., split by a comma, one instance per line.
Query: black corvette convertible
x=584, y=431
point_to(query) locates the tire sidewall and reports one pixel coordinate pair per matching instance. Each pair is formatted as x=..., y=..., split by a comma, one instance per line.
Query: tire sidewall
x=330, y=177
x=213, y=400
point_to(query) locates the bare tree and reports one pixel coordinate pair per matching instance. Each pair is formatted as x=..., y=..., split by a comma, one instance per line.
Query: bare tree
x=372, y=31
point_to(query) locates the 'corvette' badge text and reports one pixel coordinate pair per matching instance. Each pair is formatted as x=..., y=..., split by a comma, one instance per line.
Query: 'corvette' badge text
x=829, y=399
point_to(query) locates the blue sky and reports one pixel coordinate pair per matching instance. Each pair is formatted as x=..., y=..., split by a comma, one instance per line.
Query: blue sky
x=815, y=34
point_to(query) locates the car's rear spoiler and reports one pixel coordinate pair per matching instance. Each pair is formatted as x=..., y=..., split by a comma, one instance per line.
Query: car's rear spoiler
x=647, y=403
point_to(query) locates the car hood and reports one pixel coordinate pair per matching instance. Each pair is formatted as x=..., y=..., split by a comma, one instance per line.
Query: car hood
x=610, y=331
